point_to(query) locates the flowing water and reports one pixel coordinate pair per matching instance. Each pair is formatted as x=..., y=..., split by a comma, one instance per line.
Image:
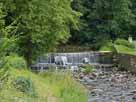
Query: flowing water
x=75, y=59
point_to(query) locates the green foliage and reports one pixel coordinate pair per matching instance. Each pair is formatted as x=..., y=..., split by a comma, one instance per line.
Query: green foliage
x=119, y=46
x=87, y=68
x=124, y=43
x=24, y=85
x=30, y=28
x=39, y=26
x=14, y=61
x=4, y=74
x=125, y=49
x=108, y=46
x=123, y=46
x=103, y=20
x=7, y=46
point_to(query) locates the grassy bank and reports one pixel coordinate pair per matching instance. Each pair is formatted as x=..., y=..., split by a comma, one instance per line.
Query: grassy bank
x=125, y=50
x=120, y=46
x=47, y=87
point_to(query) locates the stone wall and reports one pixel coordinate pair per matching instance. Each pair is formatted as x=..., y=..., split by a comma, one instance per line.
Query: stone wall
x=127, y=62
x=105, y=58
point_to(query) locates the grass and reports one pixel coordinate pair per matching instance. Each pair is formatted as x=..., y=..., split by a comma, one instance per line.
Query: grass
x=125, y=50
x=87, y=69
x=120, y=46
x=64, y=87
x=50, y=87
x=120, y=49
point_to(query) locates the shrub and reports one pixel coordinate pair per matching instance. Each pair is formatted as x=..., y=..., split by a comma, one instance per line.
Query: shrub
x=14, y=61
x=87, y=68
x=8, y=62
x=24, y=85
x=124, y=42
x=7, y=46
x=108, y=46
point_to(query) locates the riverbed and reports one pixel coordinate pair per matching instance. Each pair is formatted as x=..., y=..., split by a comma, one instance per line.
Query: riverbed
x=109, y=86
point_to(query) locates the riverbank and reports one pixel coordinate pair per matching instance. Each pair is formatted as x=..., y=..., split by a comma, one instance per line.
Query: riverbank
x=26, y=86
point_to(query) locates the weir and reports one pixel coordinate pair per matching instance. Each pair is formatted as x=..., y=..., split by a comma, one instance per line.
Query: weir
x=66, y=60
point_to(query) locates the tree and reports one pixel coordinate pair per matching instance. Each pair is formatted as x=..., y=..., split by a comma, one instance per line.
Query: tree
x=133, y=24
x=7, y=44
x=41, y=25
x=103, y=20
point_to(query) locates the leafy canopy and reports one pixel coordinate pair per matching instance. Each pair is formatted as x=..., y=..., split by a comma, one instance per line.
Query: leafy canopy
x=38, y=26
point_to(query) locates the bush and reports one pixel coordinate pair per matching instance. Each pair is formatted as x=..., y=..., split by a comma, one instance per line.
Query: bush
x=87, y=68
x=9, y=62
x=13, y=61
x=108, y=46
x=7, y=46
x=124, y=42
x=24, y=85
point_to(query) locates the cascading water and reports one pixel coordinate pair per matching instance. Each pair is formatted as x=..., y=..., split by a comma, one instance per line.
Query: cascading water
x=74, y=59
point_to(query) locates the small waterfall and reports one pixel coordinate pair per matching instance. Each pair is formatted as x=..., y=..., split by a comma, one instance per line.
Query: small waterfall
x=75, y=59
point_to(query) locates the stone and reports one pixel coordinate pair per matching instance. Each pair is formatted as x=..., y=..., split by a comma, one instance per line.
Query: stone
x=133, y=92
x=110, y=87
x=90, y=82
x=81, y=76
x=97, y=91
x=94, y=75
x=74, y=68
x=134, y=98
x=89, y=87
